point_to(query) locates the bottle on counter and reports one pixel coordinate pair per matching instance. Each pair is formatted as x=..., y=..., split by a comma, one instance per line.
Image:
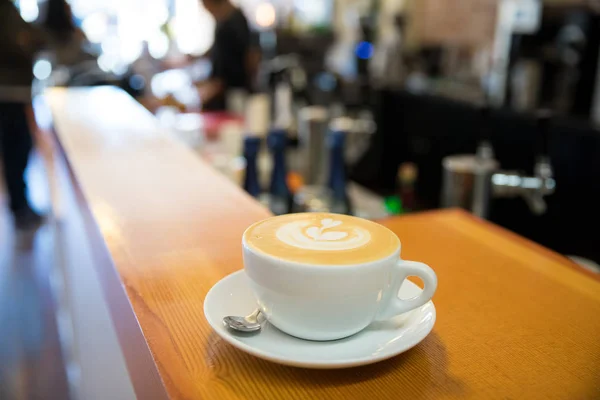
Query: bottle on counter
x=407, y=175
x=280, y=197
x=337, y=182
x=251, y=180
x=405, y=199
x=283, y=104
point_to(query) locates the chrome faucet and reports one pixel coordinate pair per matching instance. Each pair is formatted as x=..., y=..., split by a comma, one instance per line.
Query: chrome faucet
x=533, y=189
x=471, y=181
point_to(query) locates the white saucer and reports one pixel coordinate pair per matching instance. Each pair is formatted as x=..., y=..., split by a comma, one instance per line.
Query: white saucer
x=380, y=341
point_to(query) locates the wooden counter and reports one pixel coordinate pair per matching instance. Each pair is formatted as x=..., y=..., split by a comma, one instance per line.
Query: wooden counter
x=514, y=320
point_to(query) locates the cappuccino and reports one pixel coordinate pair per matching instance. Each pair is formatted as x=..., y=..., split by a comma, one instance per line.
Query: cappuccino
x=322, y=239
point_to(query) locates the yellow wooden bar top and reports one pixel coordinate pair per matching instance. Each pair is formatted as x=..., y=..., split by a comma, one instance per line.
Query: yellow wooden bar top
x=515, y=320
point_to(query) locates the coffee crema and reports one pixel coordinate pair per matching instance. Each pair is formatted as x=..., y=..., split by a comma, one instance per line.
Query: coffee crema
x=322, y=239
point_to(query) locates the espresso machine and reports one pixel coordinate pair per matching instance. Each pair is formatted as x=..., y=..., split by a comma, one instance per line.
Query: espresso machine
x=472, y=181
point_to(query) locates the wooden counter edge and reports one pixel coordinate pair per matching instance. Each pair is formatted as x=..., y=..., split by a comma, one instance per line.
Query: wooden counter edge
x=141, y=365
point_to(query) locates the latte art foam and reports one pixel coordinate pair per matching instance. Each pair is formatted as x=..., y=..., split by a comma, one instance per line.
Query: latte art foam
x=322, y=239
x=329, y=235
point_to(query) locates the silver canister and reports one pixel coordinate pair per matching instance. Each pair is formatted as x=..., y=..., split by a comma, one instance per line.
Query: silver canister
x=467, y=183
x=312, y=133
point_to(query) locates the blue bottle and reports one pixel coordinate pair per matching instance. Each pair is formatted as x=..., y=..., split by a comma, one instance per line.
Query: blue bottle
x=280, y=196
x=337, y=182
x=251, y=150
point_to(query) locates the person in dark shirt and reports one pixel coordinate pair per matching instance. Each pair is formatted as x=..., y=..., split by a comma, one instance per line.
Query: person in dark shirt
x=235, y=55
x=19, y=43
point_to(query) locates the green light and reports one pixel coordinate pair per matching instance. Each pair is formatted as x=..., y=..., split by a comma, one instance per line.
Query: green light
x=393, y=205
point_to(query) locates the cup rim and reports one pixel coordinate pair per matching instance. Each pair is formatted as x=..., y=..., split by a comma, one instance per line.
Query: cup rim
x=394, y=255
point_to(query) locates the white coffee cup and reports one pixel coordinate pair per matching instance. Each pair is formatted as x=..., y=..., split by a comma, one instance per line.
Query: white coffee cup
x=325, y=302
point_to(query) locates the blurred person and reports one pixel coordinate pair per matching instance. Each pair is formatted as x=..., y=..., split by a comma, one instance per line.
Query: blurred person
x=19, y=42
x=235, y=55
x=65, y=40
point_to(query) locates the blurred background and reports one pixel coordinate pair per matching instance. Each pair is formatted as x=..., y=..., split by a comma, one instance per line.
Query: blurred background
x=365, y=107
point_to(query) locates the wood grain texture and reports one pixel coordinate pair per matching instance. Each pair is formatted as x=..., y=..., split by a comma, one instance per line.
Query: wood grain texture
x=514, y=320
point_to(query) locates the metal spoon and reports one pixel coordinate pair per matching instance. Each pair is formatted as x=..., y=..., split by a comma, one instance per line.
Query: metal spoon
x=248, y=324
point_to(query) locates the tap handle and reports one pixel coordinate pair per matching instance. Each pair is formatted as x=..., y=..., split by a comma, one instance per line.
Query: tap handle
x=544, y=122
x=484, y=111
x=484, y=146
x=543, y=167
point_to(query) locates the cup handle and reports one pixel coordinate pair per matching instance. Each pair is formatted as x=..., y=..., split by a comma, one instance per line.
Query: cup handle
x=403, y=269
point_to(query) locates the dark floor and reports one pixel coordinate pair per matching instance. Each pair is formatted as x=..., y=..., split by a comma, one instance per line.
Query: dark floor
x=31, y=363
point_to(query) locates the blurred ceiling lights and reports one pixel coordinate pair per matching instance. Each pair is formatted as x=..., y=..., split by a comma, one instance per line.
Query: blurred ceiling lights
x=192, y=27
x=158, y=45
x=29, y=10
x=121, y=29
x=95, y=27
x=265, y=15
x=42, y=69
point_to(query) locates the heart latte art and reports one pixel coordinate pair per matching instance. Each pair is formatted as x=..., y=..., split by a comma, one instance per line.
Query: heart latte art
x=330, y=235
x=321, y=238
